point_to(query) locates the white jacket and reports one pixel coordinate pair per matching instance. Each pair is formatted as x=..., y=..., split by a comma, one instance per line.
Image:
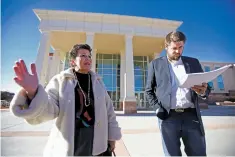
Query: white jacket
x=58, y=101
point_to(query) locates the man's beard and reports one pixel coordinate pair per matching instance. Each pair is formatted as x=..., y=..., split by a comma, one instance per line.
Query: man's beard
x=174, y=57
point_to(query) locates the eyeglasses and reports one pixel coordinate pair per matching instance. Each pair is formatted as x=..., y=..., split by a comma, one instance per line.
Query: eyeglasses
x=84, y=56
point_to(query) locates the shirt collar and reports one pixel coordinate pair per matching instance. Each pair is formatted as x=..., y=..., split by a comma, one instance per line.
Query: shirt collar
x=175, y=63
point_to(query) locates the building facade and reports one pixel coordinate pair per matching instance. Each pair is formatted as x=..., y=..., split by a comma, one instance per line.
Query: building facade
x=223, y=87
x=122, y=48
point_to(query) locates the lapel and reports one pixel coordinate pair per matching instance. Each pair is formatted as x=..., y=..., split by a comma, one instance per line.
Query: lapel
x=186, y=65
x=166, y=68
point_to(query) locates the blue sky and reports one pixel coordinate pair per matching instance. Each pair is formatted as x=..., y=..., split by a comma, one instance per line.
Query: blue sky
x=208, y=24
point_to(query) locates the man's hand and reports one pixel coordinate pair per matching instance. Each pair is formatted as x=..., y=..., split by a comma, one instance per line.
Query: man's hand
x=112, y=145
x=200, y=89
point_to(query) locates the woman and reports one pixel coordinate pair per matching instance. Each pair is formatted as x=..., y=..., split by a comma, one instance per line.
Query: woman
x=86, y=122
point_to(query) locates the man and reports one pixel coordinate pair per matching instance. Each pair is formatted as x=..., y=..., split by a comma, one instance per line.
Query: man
x=177, y=108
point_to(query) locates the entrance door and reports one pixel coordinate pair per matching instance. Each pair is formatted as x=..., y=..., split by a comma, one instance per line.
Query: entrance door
x=140, y=100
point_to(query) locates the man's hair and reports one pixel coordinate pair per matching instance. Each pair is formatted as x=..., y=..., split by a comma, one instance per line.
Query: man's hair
x=73, y=53
x=174, y=36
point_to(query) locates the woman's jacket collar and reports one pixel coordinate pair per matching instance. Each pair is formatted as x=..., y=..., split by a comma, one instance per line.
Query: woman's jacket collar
x=69, y=74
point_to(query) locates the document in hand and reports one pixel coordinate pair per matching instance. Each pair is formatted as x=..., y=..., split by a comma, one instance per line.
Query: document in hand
x=189, y=80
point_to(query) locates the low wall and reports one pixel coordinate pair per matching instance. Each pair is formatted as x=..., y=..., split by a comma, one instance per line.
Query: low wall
x=221, y=97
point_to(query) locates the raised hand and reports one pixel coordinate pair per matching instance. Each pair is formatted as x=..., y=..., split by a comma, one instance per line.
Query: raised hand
x=27, y=81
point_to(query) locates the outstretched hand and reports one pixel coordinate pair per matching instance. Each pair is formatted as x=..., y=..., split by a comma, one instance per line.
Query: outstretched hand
x=27, y=81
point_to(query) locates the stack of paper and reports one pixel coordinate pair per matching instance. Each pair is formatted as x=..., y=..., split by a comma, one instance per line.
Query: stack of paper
x=189, y=80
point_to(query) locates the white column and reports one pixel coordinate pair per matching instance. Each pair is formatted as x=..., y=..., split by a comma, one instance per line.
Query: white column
x=90, y=41
x=122, y=74
x=54, y=65
x=61, y=65
x=129, y=81
x=50, y=61
x=42, y=57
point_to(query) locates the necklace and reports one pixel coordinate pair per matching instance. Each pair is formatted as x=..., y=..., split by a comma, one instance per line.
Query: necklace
x=88, y=93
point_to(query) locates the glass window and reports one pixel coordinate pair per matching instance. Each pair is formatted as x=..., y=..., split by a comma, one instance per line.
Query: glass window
x=220, y=78
x=107, y=56
x=118, y=81
x=211, y=85
x=116, y=56
x=99, y=71
x=116, y=62
x=114, y=71
x=207, y=68
x=107, y=63
x=138, y=65
x=139, y=89
x=118, y=94
x=118, y=71
x=114, y=95
x=146, y=66
x=99, y=63
x=114, y=81
x=107, y=80
x=138, y=58
x=220, y=82
x=145, y=58
x=139, y=81
x=146, y=73
x=107, y=71
x=108, y=67
x=66, y=61
x=221, y=85
x=139, y=72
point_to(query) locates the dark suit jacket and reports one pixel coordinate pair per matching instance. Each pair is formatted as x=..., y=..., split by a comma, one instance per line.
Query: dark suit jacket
x=158, y=86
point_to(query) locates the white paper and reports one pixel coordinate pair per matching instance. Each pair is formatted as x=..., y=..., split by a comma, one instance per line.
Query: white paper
x=189, y=80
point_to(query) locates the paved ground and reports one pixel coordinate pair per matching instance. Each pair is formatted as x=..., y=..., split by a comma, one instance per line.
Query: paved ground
x=140, y=134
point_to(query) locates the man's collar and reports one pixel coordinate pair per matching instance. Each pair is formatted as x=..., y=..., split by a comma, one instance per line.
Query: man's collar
x=175, y=63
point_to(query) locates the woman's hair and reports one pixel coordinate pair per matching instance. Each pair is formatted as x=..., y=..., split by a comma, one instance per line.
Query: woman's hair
x=74, y=51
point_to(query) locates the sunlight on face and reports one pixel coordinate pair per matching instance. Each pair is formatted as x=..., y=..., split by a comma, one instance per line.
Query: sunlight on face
x=83, y=60
x=175, y=50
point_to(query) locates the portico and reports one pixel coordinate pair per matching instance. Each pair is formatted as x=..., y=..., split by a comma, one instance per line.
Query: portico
x=122, y=48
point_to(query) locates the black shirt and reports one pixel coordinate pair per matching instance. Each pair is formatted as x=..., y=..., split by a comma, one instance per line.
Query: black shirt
x=84, y=115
